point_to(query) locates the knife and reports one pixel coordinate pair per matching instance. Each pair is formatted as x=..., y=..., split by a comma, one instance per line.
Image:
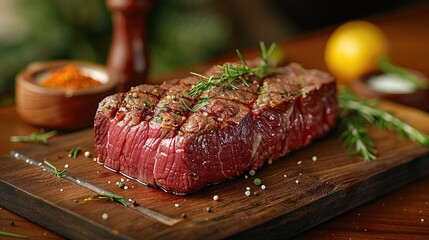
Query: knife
x=82, y=182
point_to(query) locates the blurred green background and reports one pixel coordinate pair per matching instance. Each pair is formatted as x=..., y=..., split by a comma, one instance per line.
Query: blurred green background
x=180, y=32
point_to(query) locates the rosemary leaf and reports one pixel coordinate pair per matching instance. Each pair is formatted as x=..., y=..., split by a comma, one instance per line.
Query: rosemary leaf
x=263, y=50
x=242, y=58
x=41, y=137
x=74, y=152
x=111, y=197
x=9, y=234
x=355, y=135
x=202, y=103
x=158, y=119
x=266, y=54
x=57, y=172
x=387, y=67
x=145, y=104
x=199, y=75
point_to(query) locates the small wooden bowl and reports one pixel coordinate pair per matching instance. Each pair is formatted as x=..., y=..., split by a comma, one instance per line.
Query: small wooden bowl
x=418, y=98
x=61, y=109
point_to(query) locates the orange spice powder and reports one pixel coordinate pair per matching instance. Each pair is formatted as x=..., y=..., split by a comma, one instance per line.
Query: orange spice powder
x=69, y=77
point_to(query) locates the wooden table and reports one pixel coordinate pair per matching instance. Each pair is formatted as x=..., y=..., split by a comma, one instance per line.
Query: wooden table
x=397, y=215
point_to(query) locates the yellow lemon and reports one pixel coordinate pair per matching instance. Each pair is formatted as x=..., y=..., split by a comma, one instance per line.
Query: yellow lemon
x=354, y=49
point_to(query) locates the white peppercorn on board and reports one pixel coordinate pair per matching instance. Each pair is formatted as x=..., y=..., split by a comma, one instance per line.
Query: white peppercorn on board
x=302, y=190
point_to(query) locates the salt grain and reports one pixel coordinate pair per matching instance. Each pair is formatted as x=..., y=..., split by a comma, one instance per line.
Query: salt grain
x=248, y=188
x=125, y=187
x=263, y=187
x=297, y=181
x=87, y=154
x=61, y=190
x=122, y=179
x=177, y=205
x=247, y=193
x=105, y=216
x=216, y=197
x=314, y=158
x=422, y=220
x=66, y=166
x=285, y=175
x=299, y=162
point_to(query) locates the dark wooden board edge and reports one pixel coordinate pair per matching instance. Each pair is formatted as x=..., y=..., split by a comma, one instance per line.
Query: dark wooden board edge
x=59, y=220
x=293, y=223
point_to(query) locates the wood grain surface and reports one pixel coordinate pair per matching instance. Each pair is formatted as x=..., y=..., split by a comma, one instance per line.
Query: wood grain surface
x=299, y=194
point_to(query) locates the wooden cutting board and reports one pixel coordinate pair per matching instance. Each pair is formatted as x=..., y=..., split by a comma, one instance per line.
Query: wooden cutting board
x=300, y=193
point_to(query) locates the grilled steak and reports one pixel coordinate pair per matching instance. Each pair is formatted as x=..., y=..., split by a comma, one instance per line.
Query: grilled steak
x=162, y=137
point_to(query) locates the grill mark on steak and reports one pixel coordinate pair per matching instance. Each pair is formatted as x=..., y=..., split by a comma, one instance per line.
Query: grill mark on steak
x=236, y=130
x=165, y=116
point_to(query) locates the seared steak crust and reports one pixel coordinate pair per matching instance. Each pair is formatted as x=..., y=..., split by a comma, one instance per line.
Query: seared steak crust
x=162, y=137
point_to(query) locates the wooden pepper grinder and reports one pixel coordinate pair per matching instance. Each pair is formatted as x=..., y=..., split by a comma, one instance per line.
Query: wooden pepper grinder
x=128, y=50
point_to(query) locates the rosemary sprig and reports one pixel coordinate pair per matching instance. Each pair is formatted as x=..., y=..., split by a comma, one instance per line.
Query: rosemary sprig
x=266, y=54
x=111, y=197
x=9, y=234
x=358, y=113
x=355, y=136
x=57, y=172
x=34, y=137
x=74, y=152
x=202, y=102
x=231, y=75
